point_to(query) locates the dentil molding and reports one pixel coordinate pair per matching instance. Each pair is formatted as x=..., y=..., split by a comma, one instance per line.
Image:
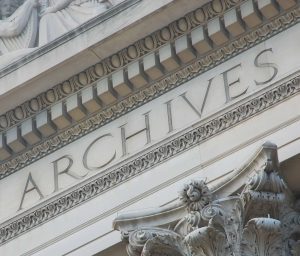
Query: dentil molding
x=100, y=183
x=151, y=91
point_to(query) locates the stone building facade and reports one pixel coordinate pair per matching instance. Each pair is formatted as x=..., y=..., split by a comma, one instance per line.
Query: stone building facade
x=138, y=127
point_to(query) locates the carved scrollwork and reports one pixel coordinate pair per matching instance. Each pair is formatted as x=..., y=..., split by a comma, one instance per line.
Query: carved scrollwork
x=164, y=245
x=137, y=241
x=212, y=211
x=154, y=242
x=224, y=227
x=266, y=181
x=189, y=223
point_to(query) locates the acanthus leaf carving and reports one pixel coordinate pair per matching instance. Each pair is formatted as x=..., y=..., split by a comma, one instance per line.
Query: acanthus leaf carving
x=154, y=242
x=262, y=237
x=264, y=220
x=208, y=241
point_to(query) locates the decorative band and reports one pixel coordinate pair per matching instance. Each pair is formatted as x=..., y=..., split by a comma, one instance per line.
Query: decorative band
x=150, y=92
x=156, y=156
x=115, y=62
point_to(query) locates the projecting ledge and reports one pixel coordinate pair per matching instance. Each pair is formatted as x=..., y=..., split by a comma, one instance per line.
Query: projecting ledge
x=264, y=158
x=148, y=218
x=83, y=47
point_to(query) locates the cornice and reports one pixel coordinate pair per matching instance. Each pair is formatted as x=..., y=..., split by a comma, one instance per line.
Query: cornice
x=227, y=186
x=214, y=225
x=68, y=36
x=152, y=91
x=154, y=156
x=115, y=62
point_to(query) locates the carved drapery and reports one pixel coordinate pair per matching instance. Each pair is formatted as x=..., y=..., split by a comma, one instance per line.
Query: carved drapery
x=60, y=16
x=22, y=20
x=18, y=25
x=262, y=219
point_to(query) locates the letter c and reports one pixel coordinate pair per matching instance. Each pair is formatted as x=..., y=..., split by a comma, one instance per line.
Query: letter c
x=96, y=168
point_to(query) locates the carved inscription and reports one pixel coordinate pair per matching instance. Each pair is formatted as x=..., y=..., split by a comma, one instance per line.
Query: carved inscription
x=128, y=136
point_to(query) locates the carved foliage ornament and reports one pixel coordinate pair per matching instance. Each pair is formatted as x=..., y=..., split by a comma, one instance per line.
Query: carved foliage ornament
x=58, y=206
x=262, y=236
x=119, y=60
x=150, y=242
x=154, y=90
x=147, y=161
x=195, y=195
x=223, y=227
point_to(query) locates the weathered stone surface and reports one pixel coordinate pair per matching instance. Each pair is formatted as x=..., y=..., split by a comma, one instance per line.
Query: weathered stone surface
x=261, y=220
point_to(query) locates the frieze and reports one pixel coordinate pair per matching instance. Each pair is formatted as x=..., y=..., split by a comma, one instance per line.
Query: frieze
x=102, y=183
x=117, y=61
x=154, y=90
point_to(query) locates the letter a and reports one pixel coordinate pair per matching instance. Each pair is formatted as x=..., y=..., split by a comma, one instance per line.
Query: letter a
x=27, y=190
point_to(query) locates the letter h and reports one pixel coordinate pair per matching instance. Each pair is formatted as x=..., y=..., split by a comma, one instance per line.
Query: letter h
x=146, y=129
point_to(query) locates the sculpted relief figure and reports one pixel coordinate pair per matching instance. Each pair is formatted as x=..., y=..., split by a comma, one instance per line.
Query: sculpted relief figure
x=22, y=20
x=61, y=16
x=18, y=23
x=18, y=27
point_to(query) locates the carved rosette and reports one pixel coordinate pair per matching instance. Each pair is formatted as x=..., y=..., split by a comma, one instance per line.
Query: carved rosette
x=195, y=195
x=264, y=220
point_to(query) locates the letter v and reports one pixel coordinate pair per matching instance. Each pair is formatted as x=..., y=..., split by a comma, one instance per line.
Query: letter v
x=199, y=113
